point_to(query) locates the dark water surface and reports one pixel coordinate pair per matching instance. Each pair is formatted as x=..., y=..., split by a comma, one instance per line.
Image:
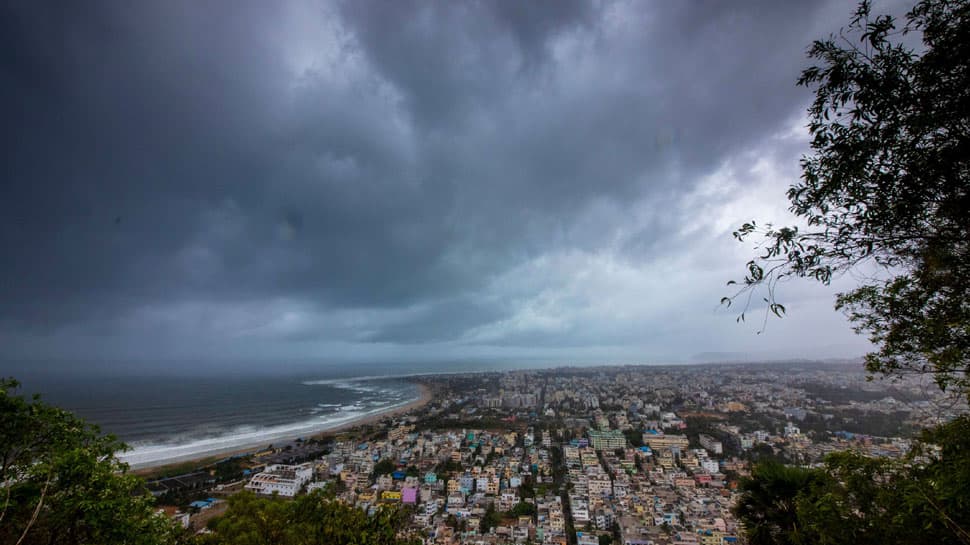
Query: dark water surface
x=179, y=414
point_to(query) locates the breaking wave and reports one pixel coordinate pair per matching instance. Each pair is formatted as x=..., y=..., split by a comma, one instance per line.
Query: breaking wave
x=186, y=447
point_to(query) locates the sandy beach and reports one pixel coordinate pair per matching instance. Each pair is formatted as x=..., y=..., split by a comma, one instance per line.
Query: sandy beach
x=424, y=397
x=202, y=458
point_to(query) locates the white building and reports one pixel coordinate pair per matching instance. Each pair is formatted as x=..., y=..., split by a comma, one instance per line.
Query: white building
x=711, y=444
x=580, y=510
x=600, y=485
x=281, y=479
x=710, y=466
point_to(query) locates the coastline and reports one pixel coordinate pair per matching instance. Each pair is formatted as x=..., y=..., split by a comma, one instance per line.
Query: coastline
x=202, y=458
x=424, y=397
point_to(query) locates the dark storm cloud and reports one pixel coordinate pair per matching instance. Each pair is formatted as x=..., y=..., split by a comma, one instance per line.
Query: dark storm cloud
x=449, y=58
x=442, y=321
x=665, y=92
x=384, y=171
x=145, y=165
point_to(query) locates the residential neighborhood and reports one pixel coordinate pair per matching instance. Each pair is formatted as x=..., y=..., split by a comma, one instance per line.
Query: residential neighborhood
x=582, y=456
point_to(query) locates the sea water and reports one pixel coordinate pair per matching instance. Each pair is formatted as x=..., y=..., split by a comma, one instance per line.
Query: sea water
x=171, y=418
x=168, y=413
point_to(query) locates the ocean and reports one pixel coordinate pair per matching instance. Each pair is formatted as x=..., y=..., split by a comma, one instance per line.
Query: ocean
x=168, y=419
x=183, y=414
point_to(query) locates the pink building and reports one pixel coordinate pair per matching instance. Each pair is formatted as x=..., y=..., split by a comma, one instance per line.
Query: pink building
x=409, y=495
x=702, y=478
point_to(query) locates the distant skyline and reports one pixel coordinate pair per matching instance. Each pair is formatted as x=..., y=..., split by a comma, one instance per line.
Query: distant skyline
x=365, y=181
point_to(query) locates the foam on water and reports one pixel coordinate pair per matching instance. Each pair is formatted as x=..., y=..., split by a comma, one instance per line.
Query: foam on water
x=336, y=382
x=180, y=448
x=173, y=418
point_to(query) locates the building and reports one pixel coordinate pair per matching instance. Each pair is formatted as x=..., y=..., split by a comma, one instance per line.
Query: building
x=399, y=432
x=710, y=466
x=281, y=479
x=409, y=495
x=607, y=439
x=658, y=441
x=712, y=445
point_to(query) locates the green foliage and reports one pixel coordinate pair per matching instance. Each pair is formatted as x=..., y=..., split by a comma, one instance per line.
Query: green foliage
x=763, y=452
x=490, y=519
x=522, y=509
x=634, y=437
x=384, y=467
x=938, y=492
x=697, y=425
x=887, y=185
x=448, y=466
x=314, y=519
x=60, y=482
x=858, y=500
x=229, y=470
x=767, y=506
x=606, y=539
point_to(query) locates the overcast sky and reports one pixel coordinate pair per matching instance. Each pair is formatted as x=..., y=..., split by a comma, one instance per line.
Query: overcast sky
x=394, y=181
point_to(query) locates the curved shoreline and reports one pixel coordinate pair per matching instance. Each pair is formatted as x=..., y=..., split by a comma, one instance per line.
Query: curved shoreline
x=217, y=453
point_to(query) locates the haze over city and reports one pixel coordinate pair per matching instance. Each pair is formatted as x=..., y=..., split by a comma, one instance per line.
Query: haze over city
x=350, y=181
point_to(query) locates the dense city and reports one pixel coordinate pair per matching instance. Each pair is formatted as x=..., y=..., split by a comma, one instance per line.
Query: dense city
x=582, y=456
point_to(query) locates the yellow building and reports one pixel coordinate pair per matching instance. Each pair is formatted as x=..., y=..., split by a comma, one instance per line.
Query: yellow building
x=661, y=441
x=712, y=538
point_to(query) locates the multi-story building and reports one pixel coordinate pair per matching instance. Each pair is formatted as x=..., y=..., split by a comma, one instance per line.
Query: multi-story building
x=606, y=439
x=281, y=479
x=712, y=445
x=657, y=441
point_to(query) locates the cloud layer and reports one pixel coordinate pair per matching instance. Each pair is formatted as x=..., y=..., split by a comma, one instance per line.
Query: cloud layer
x=364, y=180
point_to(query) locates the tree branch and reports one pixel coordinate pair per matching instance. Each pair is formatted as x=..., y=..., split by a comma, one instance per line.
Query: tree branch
x=40, y=503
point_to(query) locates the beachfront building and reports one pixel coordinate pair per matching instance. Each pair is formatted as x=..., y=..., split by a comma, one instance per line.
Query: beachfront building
x=281, y=479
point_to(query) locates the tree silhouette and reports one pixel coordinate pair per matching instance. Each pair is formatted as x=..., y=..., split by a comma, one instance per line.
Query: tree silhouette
x=887, y=185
